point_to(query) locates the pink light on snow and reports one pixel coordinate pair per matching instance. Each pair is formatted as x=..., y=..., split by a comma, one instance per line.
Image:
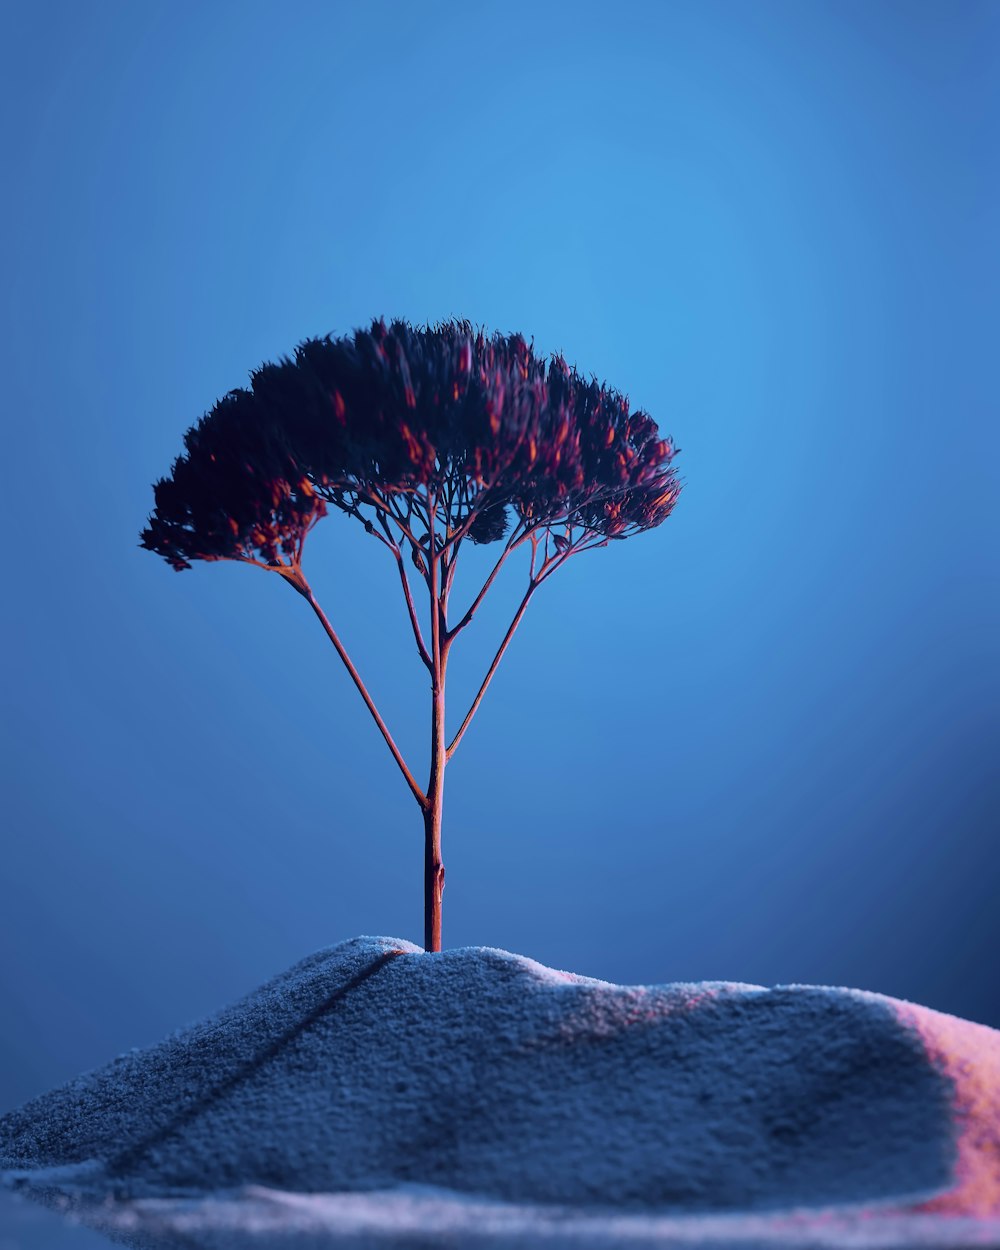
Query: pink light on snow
x=969, y=1056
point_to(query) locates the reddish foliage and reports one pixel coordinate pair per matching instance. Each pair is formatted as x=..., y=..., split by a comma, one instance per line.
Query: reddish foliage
x=397, y=419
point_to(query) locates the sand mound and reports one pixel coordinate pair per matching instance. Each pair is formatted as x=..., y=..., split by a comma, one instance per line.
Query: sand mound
x=372, y=1065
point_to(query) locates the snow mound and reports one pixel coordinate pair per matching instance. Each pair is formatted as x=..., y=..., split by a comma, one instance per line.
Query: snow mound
x=373, y=1066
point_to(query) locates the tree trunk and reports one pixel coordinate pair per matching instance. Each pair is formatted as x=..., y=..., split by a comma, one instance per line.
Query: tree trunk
x=433, y=867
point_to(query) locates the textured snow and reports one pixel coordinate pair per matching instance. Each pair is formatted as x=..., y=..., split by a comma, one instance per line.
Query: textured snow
x=374, y=1094
x=412, y=1217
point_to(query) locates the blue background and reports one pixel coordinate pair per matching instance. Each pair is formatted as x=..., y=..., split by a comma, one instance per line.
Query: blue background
x=756, y=744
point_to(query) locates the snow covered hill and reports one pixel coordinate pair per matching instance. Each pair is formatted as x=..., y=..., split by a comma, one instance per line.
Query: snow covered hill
x=373, y=1068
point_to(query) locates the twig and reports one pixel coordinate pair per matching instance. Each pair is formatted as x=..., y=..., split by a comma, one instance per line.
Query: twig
x=296, y=579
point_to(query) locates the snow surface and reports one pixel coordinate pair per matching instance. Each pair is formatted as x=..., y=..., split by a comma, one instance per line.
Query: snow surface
x=378, y=1095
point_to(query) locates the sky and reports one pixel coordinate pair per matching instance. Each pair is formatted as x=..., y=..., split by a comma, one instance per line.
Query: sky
x=757, y=744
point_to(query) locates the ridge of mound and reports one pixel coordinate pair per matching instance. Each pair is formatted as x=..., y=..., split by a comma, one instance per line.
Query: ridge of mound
x=372, y=1064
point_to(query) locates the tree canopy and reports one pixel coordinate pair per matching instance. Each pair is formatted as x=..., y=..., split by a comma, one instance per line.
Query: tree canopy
x=444, y=429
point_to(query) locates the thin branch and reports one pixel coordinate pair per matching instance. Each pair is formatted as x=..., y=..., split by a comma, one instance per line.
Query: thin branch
x=354, y=510
x=441, y=588
x=547, y=568
x=512, y=542
x=277, y=567
x=463, y=529
x=532, y=586
x=551, y=563
x=415, y=508
x=450, y=500
x=414, y=621
x=402, y=521
x=581, y=545
x=452, y=564
x=296, y=579
x=433, y=556
x=456, y=541
x=419, y=553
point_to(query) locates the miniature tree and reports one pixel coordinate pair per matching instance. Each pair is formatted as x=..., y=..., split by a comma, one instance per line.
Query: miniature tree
x=429, y=438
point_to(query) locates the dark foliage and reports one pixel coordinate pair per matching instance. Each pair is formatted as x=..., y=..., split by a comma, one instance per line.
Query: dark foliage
x=441, y=424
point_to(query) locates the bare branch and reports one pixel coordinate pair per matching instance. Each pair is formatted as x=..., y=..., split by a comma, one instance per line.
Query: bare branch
x=532, y=586
x=514, y=541
x=548, y=567
x=296, y=579
x=433, y=566
x=414, y=621
x=421, y=510
x=452, y=565
x=551, y=563
x=402, y=521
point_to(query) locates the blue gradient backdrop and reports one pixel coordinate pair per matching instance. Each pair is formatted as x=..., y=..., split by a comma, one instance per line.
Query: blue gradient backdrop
x=757, y=744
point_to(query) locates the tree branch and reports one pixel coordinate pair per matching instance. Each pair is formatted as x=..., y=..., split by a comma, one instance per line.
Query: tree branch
x=402, y=521
x=434, y=555
x=546, y=569
x=512, y=542
x=296, y=579
x=414, y=621
x=532, y=586
x=452, y=564
x=551, y=563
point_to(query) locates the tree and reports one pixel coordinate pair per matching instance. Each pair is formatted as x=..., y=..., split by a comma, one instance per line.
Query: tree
x=430, y=438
